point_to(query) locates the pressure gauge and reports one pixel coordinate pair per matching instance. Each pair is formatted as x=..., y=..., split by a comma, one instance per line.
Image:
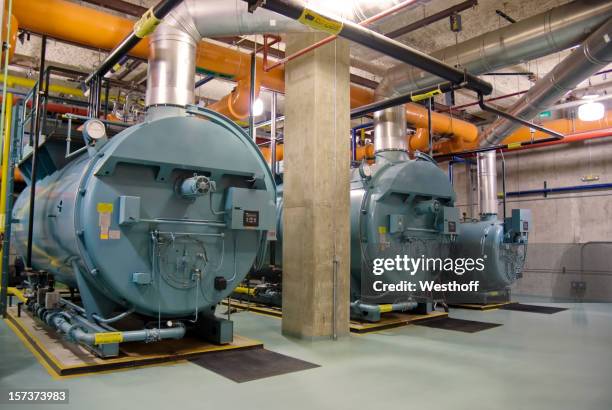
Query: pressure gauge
x=94, y=130
x=365, y=171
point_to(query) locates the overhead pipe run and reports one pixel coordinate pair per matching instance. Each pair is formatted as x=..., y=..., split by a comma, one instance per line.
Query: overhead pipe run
x=588, y=59
x=94, y=28
x=297, y=10
x=554, y=30
x=543, y=34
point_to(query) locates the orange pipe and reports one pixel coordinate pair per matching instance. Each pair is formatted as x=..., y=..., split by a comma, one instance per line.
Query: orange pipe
x=564, y=126
x=570, y=138
x=86, y=26
x=89, y=27
x=12, y=36
x=266, y=151
x=236, y=104
x=461, y=132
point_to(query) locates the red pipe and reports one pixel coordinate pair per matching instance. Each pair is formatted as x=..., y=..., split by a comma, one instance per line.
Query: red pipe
x=56, y=107
x=501, y=97
x=569, y=138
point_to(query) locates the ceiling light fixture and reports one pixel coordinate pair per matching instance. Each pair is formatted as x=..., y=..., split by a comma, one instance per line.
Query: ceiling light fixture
x=591, y=111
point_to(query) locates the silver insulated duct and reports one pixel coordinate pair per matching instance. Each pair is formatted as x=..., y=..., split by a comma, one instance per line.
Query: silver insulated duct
x=487, y=183
x=557, y=29
x=172, y=48
x=543, y=34
x=594, y=54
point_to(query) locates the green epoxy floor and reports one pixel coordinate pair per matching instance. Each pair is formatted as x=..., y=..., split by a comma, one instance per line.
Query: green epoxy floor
x=534, y=361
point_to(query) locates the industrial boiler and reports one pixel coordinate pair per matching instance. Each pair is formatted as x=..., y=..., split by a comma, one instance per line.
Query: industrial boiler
x=159, y=222
x=406, y=207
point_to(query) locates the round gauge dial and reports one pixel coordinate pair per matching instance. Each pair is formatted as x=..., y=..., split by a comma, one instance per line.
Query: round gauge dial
x=94, y=129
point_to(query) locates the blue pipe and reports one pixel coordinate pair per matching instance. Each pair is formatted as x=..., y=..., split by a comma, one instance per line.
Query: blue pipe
x=546, y=191
x=454, y=160
x=363, y=126
x=354, y=144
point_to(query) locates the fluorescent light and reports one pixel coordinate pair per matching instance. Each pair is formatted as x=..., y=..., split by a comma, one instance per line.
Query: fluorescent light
x=258, y=107
x=592, y=111
x=590, y=96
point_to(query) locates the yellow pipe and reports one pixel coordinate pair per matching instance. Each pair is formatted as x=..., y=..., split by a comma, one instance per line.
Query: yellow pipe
x=6, y=146
x=17, y=293
x=55, y=88
x=86, y=26
x=83, y=25
x=12, y=36
x=245, y=291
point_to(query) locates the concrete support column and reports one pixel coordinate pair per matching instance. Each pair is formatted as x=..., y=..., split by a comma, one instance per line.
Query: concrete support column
x=316, y=227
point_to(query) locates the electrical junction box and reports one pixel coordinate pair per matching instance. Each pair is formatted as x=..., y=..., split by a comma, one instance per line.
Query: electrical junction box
x=450, y=220
x=397, y=223
x=249, y=209
x=520, y=221
x=141, y=278
x=129, y=210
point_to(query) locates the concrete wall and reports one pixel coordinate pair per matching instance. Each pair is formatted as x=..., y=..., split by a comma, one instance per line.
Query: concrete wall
x=571, y=237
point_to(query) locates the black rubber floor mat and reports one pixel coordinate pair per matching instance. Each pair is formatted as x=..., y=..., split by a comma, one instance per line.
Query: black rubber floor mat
x=533, y=308
x=251, y=364
x=460, y=325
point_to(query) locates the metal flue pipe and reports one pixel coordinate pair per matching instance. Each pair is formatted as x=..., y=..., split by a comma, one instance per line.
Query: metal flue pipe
x=586, y=60
x=172, y=48
x=487, y=183
x=145, y=26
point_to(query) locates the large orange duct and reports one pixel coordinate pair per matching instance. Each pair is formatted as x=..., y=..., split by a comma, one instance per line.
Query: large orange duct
x=564, y=126
x=461, y=132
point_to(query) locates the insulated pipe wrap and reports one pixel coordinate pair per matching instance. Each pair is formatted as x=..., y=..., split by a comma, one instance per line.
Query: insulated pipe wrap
x=594, y=54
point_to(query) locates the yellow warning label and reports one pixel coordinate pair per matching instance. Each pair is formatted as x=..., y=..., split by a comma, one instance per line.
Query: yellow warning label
x=425, y=96
x=318, y=22
x=514, y=145
x=108, y=337
x=382, y=229
x=104, y=207
x=385, y=308
x=146, y=25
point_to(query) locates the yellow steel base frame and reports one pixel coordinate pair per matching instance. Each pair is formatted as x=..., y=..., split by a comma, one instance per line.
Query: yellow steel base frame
x=388, y=320
x=480, y=306
x=254, y=307
x=64, y=359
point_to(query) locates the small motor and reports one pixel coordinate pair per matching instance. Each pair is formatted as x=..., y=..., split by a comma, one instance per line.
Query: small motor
x=195, y=186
